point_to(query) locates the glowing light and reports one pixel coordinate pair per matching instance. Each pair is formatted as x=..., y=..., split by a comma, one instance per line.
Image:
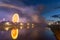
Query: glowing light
x=21, y=24
x=49, y=23
x=21, y=27
x=7, y=23
x=28, y=24
x=7, y=28
x=14, y=33
x=28, y=27
x=32, y=25
x=15, y=18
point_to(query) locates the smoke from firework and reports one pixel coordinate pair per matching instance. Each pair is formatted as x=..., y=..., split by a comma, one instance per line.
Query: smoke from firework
x=26, y=13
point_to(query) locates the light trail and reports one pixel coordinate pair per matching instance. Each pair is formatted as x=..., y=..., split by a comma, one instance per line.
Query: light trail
x=15, y=18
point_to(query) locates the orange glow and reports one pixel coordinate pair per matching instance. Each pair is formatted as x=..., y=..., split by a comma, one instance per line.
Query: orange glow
x=28, y=24
x=21, y=27
x=14, y=33
x=7, y=28
x=28, y=27
x=7, y=23
x=32, y=25
x=21, y=24
x=15, y=18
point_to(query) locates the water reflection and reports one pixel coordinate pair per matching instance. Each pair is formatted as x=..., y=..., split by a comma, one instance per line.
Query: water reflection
x=25, y=35
x=14, y=33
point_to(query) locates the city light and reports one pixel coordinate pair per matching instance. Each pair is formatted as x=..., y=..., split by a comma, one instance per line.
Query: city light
x=28, y=27
x=28, y=23
x=7, y=23
x=21, y=24
x=21, y=27
x=32, y=25
x=49, y=23
x=7, y=28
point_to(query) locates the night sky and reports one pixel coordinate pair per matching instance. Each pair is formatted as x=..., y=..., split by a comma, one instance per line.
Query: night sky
x=50, y=8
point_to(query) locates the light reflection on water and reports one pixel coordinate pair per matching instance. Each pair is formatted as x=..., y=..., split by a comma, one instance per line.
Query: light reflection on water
x=6, y=34
x=14, y=33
